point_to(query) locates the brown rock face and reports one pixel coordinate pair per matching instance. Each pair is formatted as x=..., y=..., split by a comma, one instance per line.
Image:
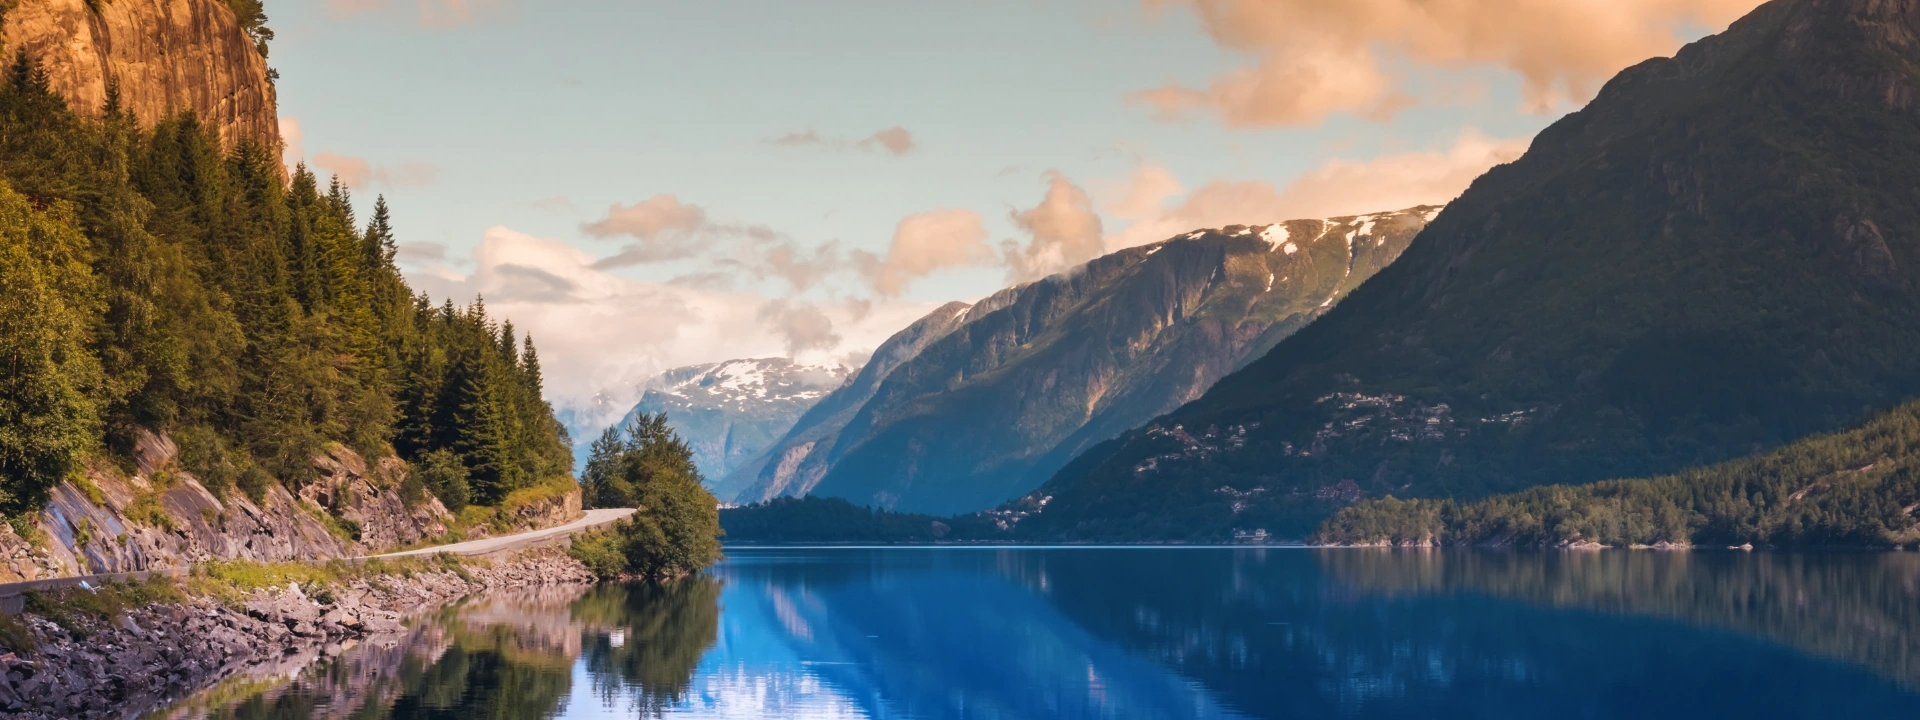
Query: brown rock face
x=168, y=56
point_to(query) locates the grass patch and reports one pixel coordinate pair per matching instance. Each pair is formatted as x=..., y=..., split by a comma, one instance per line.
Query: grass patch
x=15, y=637
x=339, y=527
x=23, y=525
x=72, y=607
x=146, y=510
x=84, y=483
x=230, y=581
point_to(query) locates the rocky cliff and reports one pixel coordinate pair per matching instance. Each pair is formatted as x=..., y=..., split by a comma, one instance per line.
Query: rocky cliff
x=108, y=520
x=166, y=56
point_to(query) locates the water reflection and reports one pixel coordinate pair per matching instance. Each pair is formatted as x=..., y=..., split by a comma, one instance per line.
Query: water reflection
x=1157, y=633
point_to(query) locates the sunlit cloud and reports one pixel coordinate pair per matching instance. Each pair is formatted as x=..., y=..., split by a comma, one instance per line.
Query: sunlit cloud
x=1309, y=59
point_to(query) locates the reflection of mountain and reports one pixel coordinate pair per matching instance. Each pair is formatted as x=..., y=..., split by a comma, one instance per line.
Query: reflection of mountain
x=1305, y=634
x=947, y=641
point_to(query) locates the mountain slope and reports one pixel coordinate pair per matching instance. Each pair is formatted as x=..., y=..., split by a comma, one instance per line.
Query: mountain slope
x=791, y=467
x=1042, y=371
x=730, y=412
x=1719, y=255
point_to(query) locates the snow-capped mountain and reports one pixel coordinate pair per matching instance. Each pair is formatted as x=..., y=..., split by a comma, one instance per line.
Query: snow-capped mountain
x=731, y=411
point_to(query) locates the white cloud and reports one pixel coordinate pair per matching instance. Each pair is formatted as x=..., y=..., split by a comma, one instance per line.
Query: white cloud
x=598, y=331
x=923, y=244
x=896, y=141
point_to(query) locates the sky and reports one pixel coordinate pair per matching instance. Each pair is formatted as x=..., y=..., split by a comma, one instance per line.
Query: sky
x=644, y=185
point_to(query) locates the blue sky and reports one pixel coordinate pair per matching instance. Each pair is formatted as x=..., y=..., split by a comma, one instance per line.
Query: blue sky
x=501, y=130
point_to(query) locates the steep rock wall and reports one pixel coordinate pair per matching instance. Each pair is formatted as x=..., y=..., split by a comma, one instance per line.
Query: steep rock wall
x=168, y=56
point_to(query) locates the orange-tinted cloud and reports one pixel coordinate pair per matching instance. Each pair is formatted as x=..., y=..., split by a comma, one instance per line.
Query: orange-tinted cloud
x=1313, y=58
x=923, y=244
x=357, y=173
x=1336, y=188
x=1063, y=231
x=896, y=141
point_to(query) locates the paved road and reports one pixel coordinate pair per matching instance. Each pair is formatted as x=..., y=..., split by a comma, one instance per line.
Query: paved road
x=594, y=518
x=10, y=593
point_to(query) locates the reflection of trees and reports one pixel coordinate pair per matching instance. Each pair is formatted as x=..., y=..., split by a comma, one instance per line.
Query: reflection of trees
x=647, y=638
x=1859, y=608
x=1348, y=633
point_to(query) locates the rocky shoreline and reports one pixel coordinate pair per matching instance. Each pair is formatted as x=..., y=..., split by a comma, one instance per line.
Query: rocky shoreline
x=152, y=656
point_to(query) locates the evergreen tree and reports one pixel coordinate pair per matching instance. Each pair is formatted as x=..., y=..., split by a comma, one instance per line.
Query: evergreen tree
x=48, y=376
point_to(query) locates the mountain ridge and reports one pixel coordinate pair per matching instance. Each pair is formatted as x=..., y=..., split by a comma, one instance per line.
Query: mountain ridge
x=1039, y=371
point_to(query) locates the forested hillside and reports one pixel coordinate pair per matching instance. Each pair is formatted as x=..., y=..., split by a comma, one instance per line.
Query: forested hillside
x=1855, y=488
x=150, y=279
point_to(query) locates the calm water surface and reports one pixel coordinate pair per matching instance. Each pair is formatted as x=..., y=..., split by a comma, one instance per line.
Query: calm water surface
x=1156, y=633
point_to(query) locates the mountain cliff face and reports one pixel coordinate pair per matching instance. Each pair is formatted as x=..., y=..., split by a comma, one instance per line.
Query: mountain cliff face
x=167, y=56
x=1038, y=373
x=1717, y=256
x=730, y=412
x=790, y=467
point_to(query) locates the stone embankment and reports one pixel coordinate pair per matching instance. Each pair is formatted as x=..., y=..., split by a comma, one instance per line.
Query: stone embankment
x=149, y=657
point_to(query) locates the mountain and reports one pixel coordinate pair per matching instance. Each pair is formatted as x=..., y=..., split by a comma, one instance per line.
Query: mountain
x=1039, y=372
x=790, y=466
x=730, y=412
x=1719, y=255
x=162, y=58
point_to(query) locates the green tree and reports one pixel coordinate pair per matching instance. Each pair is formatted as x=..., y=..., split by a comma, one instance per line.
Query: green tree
x=676, y=528
x=48, y=373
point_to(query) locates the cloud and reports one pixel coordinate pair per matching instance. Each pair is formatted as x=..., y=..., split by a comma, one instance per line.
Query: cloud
x=802, y=325
x=293, y=149
x=896, y=141
x=1338, y=187
x=665, y=229
x=924, y=243
x=556, y=204
x=357, y=173
x=429, y=13
x=421, y=252
x=1063, y=231
x=599, y=331
x=1146, y=193
x=1313, y=58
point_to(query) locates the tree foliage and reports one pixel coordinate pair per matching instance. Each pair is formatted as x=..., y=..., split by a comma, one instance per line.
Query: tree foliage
x=152, y=279
x=676, y=528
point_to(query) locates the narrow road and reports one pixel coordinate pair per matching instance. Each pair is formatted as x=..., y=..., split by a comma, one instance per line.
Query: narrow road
x=594, y=518
x=10, y=593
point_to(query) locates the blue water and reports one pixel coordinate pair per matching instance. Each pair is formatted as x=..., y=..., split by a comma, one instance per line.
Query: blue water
x=1161, y=633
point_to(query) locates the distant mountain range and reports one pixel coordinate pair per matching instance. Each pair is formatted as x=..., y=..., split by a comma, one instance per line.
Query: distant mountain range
x=1719, y=255
x=731, y=411
x=975, y=405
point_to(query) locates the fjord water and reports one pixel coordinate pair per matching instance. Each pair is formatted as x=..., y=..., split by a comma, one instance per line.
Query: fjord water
x=1157, y=633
